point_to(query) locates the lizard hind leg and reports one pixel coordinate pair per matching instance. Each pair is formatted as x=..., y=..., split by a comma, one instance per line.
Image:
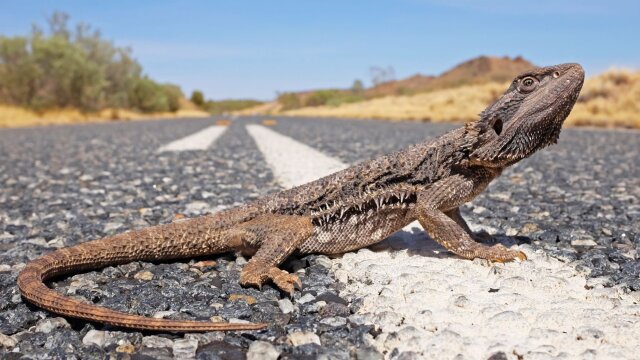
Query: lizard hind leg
x=275, y=237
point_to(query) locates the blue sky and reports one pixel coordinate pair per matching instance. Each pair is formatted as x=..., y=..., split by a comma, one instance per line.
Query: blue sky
x=253, y=49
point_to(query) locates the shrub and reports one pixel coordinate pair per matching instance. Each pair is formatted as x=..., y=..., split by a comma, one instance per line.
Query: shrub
x=79, y=69
x=289, y=101
x=197, y=97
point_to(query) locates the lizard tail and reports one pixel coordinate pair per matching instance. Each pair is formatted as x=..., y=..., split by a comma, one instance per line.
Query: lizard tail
x=175, y=240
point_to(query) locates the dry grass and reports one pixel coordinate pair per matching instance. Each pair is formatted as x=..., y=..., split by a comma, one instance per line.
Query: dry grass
x=262, y=109
x=458, y=104
x=611, y=99
x=11, y=116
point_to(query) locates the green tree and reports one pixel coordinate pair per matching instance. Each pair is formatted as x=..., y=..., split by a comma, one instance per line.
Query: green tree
x=173, y=94
x=357, y=87
x=76, y=68
x=289, y=101
x=197, y=97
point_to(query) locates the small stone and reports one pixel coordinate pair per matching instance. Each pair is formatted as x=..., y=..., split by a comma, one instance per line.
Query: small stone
x=306, y=298
x=323, y=261
x=196, y=208
x=479, y=210
x=185, y=348
x=4, y=267
x=204, y=264
x=500, y=355
x=529, y=228
x=111, y=227
x=46, y=325
x=85, y=177
x=143, y=275
x=286, y=306
x=334, y=321
x=7, y=341
x=607, y=232
x=250, y=300
x=316, y=306
x=461, y=301
x=239, y=321
x=585, y=333
x=154, y=341
x=303, y=337
x=162, y=314
x=96, y=337
x=126, y=348
x=368, y=353
x=217, y=318
x=334, y=309
x=259, y=350
x=583, y=242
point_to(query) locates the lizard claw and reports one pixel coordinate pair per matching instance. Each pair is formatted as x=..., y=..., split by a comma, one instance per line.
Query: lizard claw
x=257, y=276
x=499, y=253
x=285, y=281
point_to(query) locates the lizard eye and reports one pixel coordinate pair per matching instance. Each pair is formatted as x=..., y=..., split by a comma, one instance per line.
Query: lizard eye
x=528, y=84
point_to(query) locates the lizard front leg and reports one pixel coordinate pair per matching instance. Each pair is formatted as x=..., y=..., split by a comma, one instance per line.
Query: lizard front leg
x=448, y=232
x=456, y=216
x=275, y=237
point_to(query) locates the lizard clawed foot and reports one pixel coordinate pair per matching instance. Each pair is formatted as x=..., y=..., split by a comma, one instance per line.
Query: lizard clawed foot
x=254, y=275
x=499, y=253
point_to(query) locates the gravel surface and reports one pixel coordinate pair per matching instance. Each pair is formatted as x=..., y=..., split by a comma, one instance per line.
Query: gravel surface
x=577, y=202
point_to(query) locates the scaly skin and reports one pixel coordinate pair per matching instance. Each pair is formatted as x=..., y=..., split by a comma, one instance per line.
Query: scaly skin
x=348, y=210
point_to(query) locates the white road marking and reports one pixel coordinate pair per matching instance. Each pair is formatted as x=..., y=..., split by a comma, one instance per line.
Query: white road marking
x=428, y=301
x=293, y=163
x=196, y=141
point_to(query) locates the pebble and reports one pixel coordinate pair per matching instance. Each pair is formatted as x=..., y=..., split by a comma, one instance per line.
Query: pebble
x=47, y=325
x=262, y=350
x=286, y=306
x=7, y=341
x=143, y=275
x=334, y=321
x=584, y=242
x=154, y=341
x=96, y=337
x=298, y=338
x=112, y=227
x=185, y=348
x=306, y=298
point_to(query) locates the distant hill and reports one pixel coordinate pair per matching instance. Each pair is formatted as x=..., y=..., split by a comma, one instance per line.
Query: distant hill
x=477, y=71
x=480, y=70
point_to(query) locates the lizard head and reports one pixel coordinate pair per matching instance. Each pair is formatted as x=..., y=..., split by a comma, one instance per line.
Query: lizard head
x=529, y=115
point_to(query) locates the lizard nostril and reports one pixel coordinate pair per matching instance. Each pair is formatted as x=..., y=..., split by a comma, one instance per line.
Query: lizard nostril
x=556, y=74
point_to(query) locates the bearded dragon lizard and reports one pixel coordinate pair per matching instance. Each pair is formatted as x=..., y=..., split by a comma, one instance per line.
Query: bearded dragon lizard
x=347, y=210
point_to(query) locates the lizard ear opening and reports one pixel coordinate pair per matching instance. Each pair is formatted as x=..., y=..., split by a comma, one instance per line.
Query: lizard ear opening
x=497, y=126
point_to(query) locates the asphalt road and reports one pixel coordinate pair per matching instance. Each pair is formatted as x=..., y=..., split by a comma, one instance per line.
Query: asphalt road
x=578, y=200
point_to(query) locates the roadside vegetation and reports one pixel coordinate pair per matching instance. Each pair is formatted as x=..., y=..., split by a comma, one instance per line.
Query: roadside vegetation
x=222, y=107
x=75, y=73
x=460, y=94
x=607, y=100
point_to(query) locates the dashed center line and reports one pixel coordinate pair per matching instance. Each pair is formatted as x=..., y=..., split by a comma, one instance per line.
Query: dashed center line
x=293, y=163
x=196, y=141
